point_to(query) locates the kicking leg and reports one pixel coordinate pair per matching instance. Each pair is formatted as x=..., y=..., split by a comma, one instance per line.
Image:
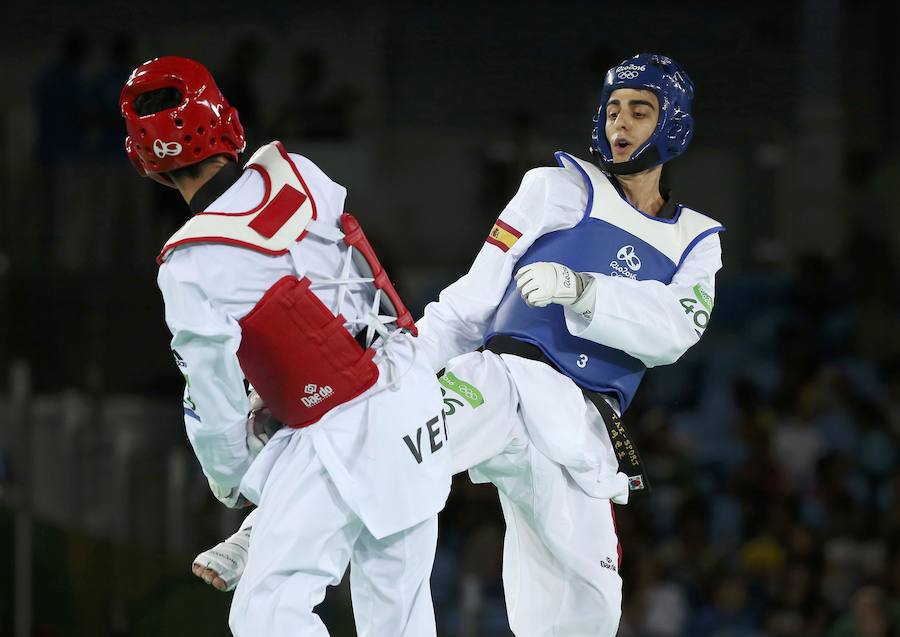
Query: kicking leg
x=480, y=408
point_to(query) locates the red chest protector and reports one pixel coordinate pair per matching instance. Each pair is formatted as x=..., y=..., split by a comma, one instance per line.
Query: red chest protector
x=295, y=352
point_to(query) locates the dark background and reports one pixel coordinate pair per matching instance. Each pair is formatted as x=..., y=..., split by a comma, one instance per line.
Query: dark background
x=773, y=444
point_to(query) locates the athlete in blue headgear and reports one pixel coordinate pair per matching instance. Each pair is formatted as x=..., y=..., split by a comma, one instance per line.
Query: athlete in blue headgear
x=611, y=277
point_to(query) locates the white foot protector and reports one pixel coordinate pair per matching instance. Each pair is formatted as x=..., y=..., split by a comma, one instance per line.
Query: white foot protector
x=226, y=559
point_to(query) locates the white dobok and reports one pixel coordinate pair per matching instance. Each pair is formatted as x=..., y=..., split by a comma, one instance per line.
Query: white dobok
x=362, y=485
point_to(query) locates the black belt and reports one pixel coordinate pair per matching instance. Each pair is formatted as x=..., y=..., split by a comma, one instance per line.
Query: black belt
x=626, y=450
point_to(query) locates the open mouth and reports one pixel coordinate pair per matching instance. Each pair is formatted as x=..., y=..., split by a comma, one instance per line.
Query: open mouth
x=621, y=146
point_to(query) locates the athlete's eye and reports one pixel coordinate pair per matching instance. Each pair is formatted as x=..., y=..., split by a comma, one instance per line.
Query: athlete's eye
x=612, y=114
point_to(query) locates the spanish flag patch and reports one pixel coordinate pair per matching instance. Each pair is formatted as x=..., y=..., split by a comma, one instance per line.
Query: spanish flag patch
x=503, y=235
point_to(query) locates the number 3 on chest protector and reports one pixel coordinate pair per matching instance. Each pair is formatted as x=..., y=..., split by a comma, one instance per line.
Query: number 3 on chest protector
x=582, y=360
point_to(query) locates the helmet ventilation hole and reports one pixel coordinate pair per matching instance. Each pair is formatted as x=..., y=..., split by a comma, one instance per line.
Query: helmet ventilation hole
x=200, y=130
x=212, y=141
x=196, y=151
x=212, y=123
x=179, y=122
x=187, y=138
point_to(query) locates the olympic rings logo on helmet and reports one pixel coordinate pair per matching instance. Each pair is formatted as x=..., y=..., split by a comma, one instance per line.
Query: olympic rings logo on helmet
x=166, y=149
x=630, y=71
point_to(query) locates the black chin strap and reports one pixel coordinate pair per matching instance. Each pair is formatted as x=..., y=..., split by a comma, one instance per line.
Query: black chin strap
x=213, y=189
x=648, y=159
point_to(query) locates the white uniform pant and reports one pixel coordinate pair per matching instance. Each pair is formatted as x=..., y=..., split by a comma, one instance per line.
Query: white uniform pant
x=304, y=537
x=561, y=553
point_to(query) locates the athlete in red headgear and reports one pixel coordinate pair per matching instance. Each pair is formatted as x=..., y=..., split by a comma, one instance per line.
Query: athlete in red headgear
x=272, y=282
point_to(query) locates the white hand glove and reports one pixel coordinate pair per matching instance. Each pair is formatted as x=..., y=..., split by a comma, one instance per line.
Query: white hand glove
x=256, y=401
x=543, y=283
x=259, y=425
x=223, y=565
x=231, y=498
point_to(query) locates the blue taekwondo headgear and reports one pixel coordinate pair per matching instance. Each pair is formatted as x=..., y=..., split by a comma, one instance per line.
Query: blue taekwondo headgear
x=673, y=89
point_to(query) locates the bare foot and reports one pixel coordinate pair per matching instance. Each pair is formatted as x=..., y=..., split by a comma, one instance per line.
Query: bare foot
x=209, y=576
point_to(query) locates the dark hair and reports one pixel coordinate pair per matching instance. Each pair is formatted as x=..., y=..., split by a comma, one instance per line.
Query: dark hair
x=160, y=100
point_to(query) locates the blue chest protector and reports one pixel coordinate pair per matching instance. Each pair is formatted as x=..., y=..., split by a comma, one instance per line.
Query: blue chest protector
x=614, y=239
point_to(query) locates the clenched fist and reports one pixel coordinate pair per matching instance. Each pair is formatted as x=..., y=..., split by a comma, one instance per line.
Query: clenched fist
x=543, y=283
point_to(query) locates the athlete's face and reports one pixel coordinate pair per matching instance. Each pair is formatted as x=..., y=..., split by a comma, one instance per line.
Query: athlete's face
x=631, y=116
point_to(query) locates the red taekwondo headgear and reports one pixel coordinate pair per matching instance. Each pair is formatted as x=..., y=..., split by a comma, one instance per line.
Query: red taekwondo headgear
x=203, y=124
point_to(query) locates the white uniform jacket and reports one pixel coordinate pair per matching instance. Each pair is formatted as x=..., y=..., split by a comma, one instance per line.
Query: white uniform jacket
x=209, y=287
x=646, y=319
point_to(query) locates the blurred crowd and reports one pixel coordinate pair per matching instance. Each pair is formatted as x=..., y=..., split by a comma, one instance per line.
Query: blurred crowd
x=76, y=97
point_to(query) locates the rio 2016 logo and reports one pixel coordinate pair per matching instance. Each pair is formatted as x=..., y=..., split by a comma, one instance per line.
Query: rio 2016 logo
x=630, y=257
x=164, y=149
x=629, y=71
x=632, y=263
